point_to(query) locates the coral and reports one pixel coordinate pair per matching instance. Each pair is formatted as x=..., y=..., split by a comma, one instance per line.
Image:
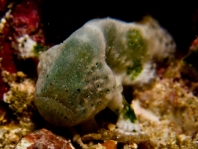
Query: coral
x=3, y=5
x=26, y=17
x=11, y=134
x=16, y=89
x=19, y=99
x=6, y=53
x=83, y=75
x=15, y=25
x=43, y=139
x=20, y=96
x=28, y=35
x=117, y=136
x=168, y=114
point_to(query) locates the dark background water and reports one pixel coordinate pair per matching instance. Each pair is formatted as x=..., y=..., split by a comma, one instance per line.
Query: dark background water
x=61, y=18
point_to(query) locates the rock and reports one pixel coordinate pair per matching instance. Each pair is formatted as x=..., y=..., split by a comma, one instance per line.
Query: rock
x=43, y=139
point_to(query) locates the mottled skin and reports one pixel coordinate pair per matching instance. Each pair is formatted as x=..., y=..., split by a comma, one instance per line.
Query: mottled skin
x=83, y=75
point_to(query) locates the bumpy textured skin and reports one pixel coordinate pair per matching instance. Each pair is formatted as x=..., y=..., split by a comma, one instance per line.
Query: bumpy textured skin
x=84, y=74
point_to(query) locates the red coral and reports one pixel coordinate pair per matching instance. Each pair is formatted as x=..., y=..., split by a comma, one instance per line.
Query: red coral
x=7, y=59
x=6, y=53
x=25, y=20
x=39, y=37
x=3, y=4
x=26, y=17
